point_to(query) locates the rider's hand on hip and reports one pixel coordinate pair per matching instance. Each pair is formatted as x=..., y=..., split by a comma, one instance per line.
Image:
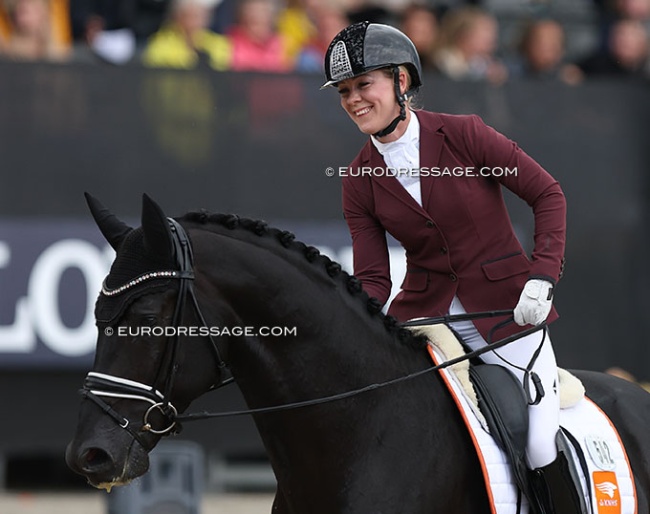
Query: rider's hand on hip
x=534, y=303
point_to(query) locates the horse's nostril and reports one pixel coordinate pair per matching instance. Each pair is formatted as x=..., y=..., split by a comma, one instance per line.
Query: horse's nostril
x=94, y=459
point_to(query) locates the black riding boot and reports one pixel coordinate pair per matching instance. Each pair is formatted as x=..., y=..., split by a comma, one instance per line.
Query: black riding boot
x=555, y=489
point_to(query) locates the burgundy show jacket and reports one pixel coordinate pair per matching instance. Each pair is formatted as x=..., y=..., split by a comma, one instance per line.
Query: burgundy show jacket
x=461, y=241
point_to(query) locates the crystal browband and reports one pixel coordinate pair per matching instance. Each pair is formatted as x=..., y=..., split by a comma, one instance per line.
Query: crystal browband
x=147, y=276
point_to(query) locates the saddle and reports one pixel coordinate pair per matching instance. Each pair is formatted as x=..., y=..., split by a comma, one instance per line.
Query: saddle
x=503, y=403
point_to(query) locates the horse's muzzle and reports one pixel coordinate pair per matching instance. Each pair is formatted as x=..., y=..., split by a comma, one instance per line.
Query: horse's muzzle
x=104, y=469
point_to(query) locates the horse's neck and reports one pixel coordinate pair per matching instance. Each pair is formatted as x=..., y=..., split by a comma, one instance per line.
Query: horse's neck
x=264, y=282
x=269, y=286
x=337, y=347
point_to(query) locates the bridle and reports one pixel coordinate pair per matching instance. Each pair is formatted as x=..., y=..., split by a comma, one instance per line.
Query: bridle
x=101, y=385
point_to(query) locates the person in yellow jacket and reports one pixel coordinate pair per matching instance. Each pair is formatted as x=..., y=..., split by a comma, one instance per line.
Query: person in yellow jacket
x=185, y=42
x=296, y=26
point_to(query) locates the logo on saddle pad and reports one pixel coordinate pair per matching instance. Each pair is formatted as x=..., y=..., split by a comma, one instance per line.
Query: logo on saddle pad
x=608, y=497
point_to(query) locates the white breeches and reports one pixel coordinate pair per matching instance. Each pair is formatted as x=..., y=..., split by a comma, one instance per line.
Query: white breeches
x=545, y=416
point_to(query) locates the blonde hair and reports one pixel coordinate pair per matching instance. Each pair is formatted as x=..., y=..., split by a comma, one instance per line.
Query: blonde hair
x=388, y=71
x=411, y=102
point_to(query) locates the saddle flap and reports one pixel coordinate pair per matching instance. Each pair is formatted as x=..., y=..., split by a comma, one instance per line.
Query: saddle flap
x=503, y=404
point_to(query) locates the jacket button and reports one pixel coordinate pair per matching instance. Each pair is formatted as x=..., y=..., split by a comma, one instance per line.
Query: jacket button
x=429, y=224
x=453, y=277
x=443, y=250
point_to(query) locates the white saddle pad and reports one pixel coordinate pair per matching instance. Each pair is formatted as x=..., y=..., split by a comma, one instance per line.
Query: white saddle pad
x=609, y=472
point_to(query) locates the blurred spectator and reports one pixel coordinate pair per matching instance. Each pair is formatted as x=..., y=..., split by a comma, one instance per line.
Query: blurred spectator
x=329, y=22
x=420, y=24
x=142, y=17
x=612, y=11
x=256, y=45
x=468, y=41
x=633, y=9
x=297, y=25
x=541, y=54
x=619, y=9
x=36, y=30
x=105, y=28
x=185, y=42
x=5, y=27
x=626, y=54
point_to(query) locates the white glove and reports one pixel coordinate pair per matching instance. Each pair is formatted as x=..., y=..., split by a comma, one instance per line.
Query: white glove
x=534, y=303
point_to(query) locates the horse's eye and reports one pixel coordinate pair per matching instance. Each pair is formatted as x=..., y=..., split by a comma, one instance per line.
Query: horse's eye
x=149, y=320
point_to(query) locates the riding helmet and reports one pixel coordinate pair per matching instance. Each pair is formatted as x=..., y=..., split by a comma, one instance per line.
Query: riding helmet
x=365, y=46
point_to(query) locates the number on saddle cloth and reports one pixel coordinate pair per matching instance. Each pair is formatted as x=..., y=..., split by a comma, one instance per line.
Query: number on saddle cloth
x=503, y=403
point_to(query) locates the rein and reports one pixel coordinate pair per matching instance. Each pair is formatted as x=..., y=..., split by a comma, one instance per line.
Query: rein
x=372, y=387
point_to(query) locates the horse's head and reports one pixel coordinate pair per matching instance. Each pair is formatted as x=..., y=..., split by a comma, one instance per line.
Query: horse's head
x=131, y=397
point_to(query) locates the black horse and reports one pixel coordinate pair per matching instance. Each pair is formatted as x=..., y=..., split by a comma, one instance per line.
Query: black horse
x=398, y=449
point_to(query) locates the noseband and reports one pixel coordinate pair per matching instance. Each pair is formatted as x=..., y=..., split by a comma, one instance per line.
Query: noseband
x=100, y=385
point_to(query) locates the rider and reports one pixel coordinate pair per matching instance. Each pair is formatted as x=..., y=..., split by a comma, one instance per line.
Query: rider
x=461, y=249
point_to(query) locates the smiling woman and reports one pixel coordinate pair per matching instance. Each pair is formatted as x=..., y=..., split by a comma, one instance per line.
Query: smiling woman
x=461, y=249
x=369, y=100
x=351, y=62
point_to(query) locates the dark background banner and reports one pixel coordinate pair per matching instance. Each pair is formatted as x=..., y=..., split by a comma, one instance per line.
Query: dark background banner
x=258, y=145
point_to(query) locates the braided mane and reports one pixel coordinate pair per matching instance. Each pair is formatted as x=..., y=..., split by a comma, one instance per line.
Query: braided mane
x=329, y=267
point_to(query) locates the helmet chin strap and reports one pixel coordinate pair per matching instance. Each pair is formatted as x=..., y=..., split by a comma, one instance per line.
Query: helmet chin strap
x=401, y=100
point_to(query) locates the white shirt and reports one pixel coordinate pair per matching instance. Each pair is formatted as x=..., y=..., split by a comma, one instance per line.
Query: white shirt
x=403, y=158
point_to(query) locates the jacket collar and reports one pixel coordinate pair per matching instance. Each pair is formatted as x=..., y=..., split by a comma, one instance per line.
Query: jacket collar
x=431, y=143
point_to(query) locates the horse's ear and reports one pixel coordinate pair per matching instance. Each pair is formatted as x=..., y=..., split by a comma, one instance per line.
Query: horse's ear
x=155, y=226
x=110, y=226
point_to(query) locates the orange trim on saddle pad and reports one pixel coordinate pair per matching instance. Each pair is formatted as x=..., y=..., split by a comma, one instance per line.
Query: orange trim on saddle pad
x=477, y=446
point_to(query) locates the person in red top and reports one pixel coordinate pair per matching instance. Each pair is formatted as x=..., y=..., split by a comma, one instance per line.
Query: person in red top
x=434, y=182
x=256, y=45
